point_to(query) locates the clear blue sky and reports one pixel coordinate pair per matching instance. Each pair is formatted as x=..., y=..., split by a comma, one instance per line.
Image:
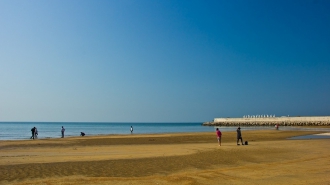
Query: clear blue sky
x=163, y=61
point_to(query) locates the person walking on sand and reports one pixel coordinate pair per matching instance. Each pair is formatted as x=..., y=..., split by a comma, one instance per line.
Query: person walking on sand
x=239, y=135
x=33, y=130
x=62, y=131
x=219, y=134
x=131, y=130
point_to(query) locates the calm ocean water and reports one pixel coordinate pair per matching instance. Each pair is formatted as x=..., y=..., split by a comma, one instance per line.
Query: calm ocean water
x=22, y=130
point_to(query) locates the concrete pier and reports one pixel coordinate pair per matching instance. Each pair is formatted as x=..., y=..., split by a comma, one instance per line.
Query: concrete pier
x=271, y=121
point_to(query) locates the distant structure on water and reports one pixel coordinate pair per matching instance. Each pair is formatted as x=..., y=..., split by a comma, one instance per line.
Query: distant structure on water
x=270, y=120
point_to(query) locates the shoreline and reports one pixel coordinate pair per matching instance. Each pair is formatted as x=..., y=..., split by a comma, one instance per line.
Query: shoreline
x=223, y=128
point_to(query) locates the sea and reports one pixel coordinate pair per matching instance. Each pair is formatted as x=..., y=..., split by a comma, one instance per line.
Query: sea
x=22, y=130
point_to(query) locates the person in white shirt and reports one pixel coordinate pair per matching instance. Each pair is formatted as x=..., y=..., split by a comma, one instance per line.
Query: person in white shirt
x=36, y=132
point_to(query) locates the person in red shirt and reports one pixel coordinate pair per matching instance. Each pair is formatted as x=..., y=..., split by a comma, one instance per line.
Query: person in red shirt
x=218, y=136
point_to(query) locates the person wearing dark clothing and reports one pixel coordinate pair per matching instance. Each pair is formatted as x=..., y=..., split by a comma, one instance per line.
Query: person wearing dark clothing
x=62, y=131
x=33, y=130
x=239, y=135
x=131, y=130
x=82, y=134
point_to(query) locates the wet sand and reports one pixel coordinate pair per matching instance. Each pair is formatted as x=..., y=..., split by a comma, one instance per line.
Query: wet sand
x=187, y=158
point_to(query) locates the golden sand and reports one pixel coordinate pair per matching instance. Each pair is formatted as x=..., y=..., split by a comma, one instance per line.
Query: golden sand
x=186, y=158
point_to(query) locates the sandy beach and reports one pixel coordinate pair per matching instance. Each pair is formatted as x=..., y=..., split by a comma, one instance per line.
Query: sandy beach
x=186, y=158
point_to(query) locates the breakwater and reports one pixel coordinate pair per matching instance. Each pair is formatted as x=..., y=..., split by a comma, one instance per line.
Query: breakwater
x=271, y=121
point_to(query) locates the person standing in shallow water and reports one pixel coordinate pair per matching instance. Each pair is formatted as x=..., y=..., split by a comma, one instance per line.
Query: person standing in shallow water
x=62, y=131
x=219, y=134
x=131, y=130
x=239, y=135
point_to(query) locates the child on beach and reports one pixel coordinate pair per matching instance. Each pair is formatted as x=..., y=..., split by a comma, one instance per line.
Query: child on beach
x=218, y=136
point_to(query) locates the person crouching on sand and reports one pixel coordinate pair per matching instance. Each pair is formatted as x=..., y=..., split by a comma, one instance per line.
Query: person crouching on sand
x=219, y=134
x=276, y=126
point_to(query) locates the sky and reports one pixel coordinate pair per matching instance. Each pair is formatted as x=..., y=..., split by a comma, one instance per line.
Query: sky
x=163, y=61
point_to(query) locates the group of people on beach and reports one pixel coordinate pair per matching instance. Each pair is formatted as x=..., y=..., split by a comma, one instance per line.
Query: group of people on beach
x=239, y=136
x=34, y=131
